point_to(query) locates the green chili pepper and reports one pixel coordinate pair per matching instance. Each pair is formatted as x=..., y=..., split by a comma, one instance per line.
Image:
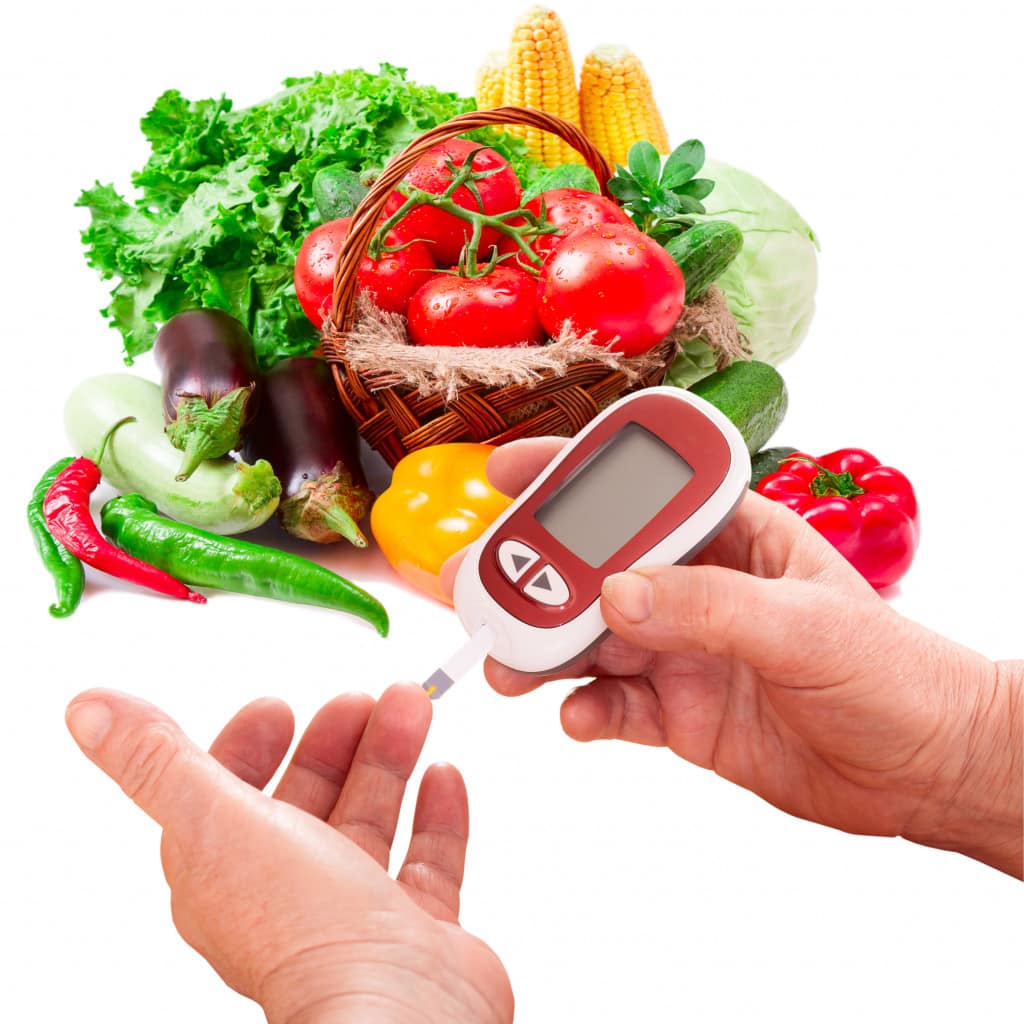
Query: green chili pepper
x=66, y=570
x=226, y=563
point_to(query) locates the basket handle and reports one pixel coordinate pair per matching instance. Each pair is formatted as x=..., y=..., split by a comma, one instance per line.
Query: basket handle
x=369, y=210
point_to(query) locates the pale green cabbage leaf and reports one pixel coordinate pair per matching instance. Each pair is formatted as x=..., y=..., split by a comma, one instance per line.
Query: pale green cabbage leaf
x=770, y=286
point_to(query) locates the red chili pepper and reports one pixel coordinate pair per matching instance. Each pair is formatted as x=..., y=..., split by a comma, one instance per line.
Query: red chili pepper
x=867, y=511
x=66, y=507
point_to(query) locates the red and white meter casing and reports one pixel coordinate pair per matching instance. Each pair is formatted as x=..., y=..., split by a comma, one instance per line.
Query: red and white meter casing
x=650, y=481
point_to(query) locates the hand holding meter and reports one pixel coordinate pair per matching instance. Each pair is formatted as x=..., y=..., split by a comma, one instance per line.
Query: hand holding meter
x=650, y=481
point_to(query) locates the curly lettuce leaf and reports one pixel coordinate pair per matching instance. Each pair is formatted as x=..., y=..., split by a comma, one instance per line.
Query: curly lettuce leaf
x=225, y=198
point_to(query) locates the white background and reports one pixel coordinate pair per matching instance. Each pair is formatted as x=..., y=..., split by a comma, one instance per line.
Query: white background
x=618, y=884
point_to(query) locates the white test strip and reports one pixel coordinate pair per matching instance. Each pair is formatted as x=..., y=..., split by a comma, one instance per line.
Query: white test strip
x=471, y=653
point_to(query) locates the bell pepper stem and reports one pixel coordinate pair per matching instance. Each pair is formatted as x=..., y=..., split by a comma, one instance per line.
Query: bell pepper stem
x=828, y=484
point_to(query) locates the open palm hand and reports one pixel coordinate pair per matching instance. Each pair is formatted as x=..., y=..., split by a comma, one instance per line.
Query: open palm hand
x=289, y=898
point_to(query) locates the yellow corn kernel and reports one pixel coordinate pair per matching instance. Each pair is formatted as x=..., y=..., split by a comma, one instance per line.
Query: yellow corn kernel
x=539, y=74
x=490, y=81
x=617, y=105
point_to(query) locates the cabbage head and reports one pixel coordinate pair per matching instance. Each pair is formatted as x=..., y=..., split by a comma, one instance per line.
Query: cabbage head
x=770, y=285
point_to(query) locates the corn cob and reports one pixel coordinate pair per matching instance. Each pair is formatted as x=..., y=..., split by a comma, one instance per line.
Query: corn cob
x=490, y=81
x=617, y=104
x=540, y=74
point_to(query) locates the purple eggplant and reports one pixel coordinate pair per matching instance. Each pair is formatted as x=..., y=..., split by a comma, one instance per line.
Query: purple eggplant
x=303, y=431
x=209, y=377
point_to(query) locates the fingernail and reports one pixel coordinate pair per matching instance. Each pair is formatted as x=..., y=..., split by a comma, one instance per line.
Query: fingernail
x=89, y=722
x=630, y=594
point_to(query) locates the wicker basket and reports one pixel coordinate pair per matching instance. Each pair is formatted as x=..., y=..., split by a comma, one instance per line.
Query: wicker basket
x=396, y=420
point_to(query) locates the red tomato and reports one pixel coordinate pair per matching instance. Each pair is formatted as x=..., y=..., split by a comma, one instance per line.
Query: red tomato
x=390, y=280
x=569, y=209
x=615, y=281
x=497, y=309
x=446, y=233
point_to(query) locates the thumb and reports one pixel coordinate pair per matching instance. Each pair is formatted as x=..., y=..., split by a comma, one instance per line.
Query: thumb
x=147, y=755
x=780, y=626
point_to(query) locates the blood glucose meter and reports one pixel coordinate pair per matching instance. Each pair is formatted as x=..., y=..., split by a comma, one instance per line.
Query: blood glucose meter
x=650, y=481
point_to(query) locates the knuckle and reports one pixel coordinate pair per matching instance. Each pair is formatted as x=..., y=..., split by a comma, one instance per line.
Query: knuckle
x=689, y=605
x=150, y=753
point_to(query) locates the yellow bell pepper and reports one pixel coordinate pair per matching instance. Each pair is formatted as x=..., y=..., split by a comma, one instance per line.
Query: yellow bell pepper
x=439, y=501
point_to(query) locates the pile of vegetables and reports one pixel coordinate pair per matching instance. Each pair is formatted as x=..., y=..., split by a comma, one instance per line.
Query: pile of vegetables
x=467, y=262
x=134, y=427
x=226, y=198
x=223, y=263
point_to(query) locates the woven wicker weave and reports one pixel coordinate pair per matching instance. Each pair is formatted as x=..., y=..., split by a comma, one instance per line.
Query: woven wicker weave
x=397, y=420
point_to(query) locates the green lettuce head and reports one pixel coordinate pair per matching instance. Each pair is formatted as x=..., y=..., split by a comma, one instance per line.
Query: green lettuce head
x=770, y=285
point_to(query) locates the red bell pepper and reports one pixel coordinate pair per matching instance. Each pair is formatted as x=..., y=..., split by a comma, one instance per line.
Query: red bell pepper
x=867, y=511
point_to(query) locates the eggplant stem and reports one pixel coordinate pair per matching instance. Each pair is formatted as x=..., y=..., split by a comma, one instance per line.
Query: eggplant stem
x=206, y=432
x=199, y=446
x=341, y=522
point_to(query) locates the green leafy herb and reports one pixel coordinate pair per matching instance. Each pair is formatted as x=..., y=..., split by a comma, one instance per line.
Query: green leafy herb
x=227, y=196
x=662, y=200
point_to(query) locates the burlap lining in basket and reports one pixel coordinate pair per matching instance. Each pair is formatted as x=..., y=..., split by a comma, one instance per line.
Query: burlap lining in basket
x=376, y=348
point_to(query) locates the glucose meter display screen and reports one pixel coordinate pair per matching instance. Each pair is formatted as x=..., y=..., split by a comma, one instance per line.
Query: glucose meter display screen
x=610, y=498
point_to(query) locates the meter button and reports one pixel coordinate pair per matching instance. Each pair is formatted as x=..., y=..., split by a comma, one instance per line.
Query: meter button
x=547, y=587
x=516, y=559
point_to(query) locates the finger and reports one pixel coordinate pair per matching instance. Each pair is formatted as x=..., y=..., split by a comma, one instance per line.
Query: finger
x=779, y=626
x=510, y=468
x=514, y=466
x=436, y=859
x=449, y=570
x=614, y=708
x=367, y=810
x=511, y=683
x=149, y=757
x=317, y=771
x=612, y=657
x=253, y=744
x=769, y=540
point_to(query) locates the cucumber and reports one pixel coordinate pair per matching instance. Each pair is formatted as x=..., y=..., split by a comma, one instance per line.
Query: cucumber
x=752, y=394
x=337, y=191
x=703, y=252
x=221, y=495
x=767, y=461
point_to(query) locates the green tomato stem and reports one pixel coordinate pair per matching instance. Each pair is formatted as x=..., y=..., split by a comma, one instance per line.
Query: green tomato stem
x=522, y=234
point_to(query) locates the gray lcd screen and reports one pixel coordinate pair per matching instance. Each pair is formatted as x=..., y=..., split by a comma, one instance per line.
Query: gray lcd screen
x=614, y=494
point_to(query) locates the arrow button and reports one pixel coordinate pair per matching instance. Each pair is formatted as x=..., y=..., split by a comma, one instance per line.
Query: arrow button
x=547, y=587
x=515, y=559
